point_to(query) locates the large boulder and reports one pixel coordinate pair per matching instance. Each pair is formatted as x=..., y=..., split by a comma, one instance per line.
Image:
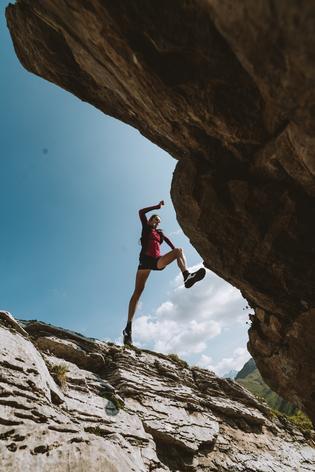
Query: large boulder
x=61, y=409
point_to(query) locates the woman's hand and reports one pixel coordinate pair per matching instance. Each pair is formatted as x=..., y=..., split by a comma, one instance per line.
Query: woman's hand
x=161, y=203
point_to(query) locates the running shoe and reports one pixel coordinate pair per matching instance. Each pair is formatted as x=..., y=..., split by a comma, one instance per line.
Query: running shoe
x=127, y=337
x=194, y=277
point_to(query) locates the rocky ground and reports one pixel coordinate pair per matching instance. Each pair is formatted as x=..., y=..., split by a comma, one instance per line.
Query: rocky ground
x=68, y=402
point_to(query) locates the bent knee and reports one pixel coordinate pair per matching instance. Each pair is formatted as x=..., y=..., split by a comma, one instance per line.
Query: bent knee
x=178, y=251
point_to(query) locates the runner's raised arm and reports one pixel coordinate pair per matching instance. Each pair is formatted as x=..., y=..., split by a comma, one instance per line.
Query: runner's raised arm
x=143, y=211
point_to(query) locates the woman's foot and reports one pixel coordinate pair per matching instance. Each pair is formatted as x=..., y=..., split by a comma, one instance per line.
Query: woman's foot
x=127, y=334
x=194, y=277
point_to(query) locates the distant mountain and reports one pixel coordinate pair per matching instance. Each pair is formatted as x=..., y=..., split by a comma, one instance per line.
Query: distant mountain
x=247, y=369
x=251, y=379
x=230, y=375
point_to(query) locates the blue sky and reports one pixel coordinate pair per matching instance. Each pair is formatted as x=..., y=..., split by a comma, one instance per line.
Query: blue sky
x=72, y=181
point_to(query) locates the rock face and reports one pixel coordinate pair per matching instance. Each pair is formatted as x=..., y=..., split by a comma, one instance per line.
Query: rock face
x=227, y=88
x=122, y=409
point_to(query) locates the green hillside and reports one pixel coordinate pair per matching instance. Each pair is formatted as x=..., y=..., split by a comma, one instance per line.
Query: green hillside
x=255, y=384
x=251, y=379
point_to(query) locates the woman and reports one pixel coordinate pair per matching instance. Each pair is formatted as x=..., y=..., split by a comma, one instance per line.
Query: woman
x=150, y=259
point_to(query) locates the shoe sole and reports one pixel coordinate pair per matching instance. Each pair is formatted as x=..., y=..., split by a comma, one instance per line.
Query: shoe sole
x=127, y=341
x=199, y=276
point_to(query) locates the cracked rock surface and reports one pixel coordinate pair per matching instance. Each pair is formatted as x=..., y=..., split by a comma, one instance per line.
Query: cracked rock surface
x=121, y=409
x=228, y=89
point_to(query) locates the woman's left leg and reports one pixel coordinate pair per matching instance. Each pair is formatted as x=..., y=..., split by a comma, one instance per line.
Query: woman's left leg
x=141, y=278
x=189, y=278
x=169, y=257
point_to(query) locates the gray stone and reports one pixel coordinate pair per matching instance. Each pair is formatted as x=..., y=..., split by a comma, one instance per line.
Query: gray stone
x=131, y=415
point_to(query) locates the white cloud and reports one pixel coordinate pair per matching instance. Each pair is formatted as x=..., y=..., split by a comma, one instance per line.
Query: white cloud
x=171, y=336
x=238, y=359
x=212, y=298
x=189, y=318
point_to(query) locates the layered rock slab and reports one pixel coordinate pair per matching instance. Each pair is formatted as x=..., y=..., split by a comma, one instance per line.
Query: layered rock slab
x=228, y=90
x=139, y=411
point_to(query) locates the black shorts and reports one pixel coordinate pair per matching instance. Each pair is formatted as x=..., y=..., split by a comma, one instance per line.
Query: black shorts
x=148, y=262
